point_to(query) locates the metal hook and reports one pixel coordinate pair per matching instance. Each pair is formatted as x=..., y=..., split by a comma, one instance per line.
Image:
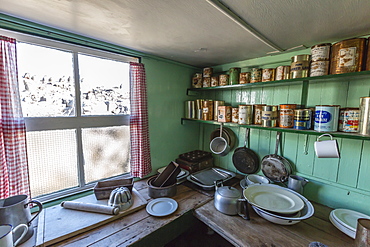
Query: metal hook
x=305, y=146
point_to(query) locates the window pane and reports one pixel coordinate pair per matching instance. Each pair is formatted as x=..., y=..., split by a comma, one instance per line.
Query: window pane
x=45, y=81
x=105, y=87
x=106, y=152
x=52, y=160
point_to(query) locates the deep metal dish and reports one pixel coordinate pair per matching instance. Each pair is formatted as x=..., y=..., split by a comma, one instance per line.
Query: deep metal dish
x=206, y=178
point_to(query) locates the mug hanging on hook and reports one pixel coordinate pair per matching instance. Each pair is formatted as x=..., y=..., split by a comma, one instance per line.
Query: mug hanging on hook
x=326, y=149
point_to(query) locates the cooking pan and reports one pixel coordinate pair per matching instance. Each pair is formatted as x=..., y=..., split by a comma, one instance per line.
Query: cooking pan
x=220, y=145
x=275, y=167
x=227, y=133
x=246, y=160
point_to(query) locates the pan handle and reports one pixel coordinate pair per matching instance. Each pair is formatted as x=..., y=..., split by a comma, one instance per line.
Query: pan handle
x=278, y=134
x=246, y=137
x=221, y=129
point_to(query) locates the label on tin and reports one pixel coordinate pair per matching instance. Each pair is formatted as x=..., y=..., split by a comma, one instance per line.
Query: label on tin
x=269, y=115
x=349, y=120
x=279, y=73
x=320, y=53
x=267, y=75
x=235, y=115
x=286, y=118
x=347, y=57
x=319, y=68
x=322, y=117
x=326, y=118
x=301, y=124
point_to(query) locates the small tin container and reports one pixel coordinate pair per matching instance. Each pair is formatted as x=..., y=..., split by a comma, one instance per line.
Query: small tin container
x=235, y=115
x=216, y=104
x=300, y=66
x=268, y=75
x=244, y=77
x=364, y=124
x=197, y=80
x=326, y=118
x=368, y=55
x=224, y=114
x=245, y=114
x=224, y=80
x=349, y=119
x=269, y=116
x=286, y=115
x=282, y=73
x=199, y=108
x=256, y=75
x=207, y=72
x=302, y=119
x=257, y=113
x=234, y=74
x=206, y=81
x=214, y=81
x=319, y=68
x=207, y=113
x=320, y=52
x=190, y=109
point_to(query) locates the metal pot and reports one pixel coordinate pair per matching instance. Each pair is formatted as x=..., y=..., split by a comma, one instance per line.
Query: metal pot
x=228, y=201
x=156, y=192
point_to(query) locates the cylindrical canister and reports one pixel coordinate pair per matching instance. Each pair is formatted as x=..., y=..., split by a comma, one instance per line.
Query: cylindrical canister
x=224, y=80
x=364, y=124
x=256, y=75
x=207, y=72
x=244, y=77
x=245, y=114
x=216, y=104
x=282, y=73
x=234, y=74
x=224, y=114
x=320, y=52
x=214, y=81
x=257, y=113
x=300, y=66
x=190, y=109
x=319, y=68
x=269, y=115
x=368, y=55
x=197, y=80
x=286, y=115
x=199, y=108
x=302, y=119
x=206, y=81
x=268, y=75
x=348, y=119
x=235, y=115
x=347, y=56
x=326, y=118
x=207, y=110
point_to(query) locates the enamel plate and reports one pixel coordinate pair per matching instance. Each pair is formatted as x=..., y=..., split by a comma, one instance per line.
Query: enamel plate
x=341, y=227
x=161, y=206
x=273, y=199
x=348, y=218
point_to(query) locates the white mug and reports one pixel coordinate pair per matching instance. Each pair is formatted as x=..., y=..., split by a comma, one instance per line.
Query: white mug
x=6, y=234
x=326, y=149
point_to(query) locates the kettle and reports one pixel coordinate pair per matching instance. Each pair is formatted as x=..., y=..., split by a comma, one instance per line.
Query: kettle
x=228, y=201
x=121, y=198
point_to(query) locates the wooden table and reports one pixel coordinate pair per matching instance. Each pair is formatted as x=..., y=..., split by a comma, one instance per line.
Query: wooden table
x=142, y=229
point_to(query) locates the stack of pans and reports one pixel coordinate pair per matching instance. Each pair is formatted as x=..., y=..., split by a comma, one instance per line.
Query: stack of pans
x=227, y=133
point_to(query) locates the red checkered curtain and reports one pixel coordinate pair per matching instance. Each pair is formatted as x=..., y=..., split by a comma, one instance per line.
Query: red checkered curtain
x=14, y=178
x=139, y=127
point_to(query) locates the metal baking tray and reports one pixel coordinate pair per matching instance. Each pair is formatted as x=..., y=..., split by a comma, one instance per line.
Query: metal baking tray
x=206, y=178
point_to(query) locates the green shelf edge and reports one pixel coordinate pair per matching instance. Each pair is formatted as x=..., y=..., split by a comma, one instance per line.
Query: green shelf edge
x=288, y=130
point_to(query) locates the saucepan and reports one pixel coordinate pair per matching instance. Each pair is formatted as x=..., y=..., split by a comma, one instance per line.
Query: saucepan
x=219, y=145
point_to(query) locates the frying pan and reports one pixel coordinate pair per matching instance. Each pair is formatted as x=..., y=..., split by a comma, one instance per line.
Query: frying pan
x=275, y=167
x=246, y=160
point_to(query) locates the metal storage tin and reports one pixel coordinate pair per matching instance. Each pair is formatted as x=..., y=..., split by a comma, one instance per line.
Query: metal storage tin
x=199, y=108
x=234, y=74
x=224, y=80
x=286, y=115
x=320, y=52
x=190, y=109
x=347, y=56
x=349, y=119
x=256, y=75
x=224, y=114
x=269, y=115
x=235, y=115
x=214, y=81
x=206, y=81
x=216, y=104
x=268, y=75
x=364, y=124
x=319, y=68
x=207, y=110
x=368, y=55
x=207, y=72
x=244, y=77
x=282, y=73
x=245, y=114
x=300, y=66
x=326, y=118
x=197, y=80
x=302, y=119
x=257, y=113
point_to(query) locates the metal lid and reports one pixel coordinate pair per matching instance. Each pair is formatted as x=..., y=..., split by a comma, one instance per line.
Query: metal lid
x=229, y=191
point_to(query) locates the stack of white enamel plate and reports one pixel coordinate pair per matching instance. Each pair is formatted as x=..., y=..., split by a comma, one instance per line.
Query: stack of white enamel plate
x=277, y=204
x=346, y=220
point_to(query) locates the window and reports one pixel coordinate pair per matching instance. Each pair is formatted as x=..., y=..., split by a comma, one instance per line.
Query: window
x=76, y=106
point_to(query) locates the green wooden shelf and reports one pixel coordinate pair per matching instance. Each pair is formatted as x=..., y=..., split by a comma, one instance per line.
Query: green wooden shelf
x=288, y=130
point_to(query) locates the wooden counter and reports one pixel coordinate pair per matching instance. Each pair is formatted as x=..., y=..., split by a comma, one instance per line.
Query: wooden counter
x=141, y=229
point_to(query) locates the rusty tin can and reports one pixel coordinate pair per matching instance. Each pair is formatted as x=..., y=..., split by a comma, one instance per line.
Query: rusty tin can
x=286, y=115
x=207, y=113
x=268, y=75
x=347, y=56
x=235, y=115
x=319, y=68
x=207, y=72
x=244, y=77
x=257, y=113
x=349, y=119
x=197, y=80
x=206, y=81
x=302, y=119
x=234, y=74
x=245, y=114
x=224, y=80
x=216, y=104
x=320, y=52
x=214, y=81
x=300, y=66
x=282, y=73
x=224, y=114
x=364, y=124
x=199, y=108
x=256, y=75
x=269, y=116
x=326, y=118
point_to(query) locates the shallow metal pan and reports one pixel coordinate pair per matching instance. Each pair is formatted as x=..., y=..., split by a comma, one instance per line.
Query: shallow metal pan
x=206, y=178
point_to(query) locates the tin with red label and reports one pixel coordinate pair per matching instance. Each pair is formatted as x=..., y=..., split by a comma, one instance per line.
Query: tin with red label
x=286, y=116
x=349, y=119
x=326, y=118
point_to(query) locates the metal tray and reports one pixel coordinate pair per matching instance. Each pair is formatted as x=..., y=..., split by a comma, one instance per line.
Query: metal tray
x=206, y=178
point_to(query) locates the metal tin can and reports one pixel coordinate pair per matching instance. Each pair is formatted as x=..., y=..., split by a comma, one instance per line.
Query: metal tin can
x=224, y=114
x=256, y=75
x=269, y=115
x=257, y=113
x=235, y=115
x=319, y=68
x=224, y=80
x=348, y=119
x=347, y=56
x=207, y=110
x=268, y=75
x=326, y=118
x=300, y=66
x=190, y=109
x=199, y=108
x=244, y=77
x=206, y=81
x=214, y=81
x=320, y=52
x=207, y=72
x=197, y=80
x=302, y=119
x=286, y=115
x=245, y=114
x=368, y=55
x=234, y=74
x=216, y=104
x=282, y=73
x=364, y=124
